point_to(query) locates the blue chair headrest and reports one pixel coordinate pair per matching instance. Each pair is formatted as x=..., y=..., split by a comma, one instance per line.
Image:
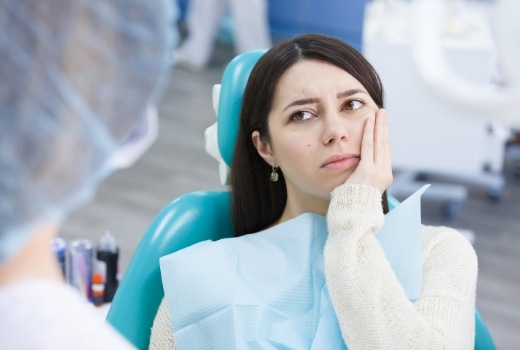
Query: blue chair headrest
x=234, y=82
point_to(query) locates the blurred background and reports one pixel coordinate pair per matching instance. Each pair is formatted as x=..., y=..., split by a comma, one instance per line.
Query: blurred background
x=471, y=157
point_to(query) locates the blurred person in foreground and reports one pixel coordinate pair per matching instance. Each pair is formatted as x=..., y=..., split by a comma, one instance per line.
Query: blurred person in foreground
x=78, y=83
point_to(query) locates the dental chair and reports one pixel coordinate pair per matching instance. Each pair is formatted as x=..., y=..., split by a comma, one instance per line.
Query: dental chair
x=192, y=218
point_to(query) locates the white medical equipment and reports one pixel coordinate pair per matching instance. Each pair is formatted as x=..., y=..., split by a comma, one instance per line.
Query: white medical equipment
x=499, y=104
x=433, y=133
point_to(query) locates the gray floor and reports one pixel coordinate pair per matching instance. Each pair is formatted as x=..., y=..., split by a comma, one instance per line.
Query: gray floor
x=177, y=163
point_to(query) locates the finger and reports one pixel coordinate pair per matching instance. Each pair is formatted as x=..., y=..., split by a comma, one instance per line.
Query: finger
x=388, y=142
x=388, y=150
x=378, y=129
x=380, y=136
x=386, y=136
x=367, y=144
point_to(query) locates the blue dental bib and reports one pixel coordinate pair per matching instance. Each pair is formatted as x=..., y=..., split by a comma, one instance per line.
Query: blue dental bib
x=268, y=291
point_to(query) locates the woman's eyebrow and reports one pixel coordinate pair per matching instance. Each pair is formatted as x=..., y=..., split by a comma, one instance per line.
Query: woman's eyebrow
x=306, y=101
x=349, y=93
x=301, y=102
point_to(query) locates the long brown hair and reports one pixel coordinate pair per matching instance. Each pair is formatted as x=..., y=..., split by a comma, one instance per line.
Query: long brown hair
x=257, y=202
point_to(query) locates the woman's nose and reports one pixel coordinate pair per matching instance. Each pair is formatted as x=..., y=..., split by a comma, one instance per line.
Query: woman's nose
x=334, y=129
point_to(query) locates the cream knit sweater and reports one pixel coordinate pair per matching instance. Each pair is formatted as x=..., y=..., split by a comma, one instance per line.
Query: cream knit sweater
x=372, y=308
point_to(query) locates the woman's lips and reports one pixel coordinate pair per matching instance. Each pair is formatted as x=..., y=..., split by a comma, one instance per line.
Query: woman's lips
x=341, y=162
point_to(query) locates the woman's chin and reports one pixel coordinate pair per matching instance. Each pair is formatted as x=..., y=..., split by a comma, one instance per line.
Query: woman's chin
x=342, y=179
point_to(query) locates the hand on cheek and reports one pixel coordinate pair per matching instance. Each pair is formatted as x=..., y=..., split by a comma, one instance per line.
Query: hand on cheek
x=375, y=166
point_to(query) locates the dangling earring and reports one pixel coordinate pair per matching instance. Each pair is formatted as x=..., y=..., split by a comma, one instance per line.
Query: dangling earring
x=274, y=174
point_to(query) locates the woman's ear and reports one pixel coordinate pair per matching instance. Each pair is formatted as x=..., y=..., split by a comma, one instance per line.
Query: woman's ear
x=263, y=148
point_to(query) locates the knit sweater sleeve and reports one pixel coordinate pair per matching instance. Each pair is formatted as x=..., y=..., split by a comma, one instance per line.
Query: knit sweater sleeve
x=371, y=306
x=162, y=334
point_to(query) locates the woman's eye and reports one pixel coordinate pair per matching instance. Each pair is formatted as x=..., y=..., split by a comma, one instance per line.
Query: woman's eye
x=301, y=116
x=353, y=105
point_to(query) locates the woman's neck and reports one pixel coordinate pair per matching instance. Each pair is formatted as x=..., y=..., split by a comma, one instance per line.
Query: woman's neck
x=297, y=206
x=35, y=261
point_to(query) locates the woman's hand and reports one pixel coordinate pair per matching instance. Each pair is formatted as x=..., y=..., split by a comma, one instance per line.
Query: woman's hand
x=375, y=164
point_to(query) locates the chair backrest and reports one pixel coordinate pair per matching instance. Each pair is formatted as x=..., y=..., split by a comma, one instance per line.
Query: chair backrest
x=483, y=339
x=192, y=218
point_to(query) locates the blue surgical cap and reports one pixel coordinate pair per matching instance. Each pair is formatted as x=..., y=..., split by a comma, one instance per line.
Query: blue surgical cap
x=76, y=78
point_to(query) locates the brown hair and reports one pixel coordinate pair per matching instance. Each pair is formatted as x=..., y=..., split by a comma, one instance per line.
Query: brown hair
x=257, y=202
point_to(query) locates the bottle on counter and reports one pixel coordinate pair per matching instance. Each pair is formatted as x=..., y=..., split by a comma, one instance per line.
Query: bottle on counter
x=107, y=253
x=80, y=266
x=59, y=247
x=98, y=289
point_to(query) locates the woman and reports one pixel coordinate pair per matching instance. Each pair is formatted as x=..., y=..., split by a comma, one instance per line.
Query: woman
x=313, y=138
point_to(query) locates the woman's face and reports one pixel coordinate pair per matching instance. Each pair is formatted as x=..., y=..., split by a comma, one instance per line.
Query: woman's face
x=315, y=126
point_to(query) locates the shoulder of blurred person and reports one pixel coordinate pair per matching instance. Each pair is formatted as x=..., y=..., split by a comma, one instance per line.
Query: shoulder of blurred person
x=79, y=78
